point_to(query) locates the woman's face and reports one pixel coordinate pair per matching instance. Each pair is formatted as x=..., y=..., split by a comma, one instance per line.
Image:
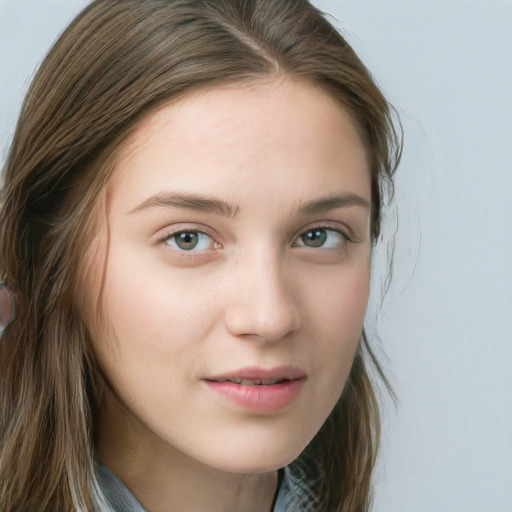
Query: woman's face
x=237, y=273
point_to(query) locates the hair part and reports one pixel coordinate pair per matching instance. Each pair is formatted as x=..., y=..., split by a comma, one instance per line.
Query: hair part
x=118, y=62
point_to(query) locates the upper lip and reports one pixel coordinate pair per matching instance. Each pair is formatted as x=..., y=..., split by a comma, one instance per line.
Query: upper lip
x=254, y=373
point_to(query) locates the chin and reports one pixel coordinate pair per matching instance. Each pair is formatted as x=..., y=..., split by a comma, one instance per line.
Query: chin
x=256, y=460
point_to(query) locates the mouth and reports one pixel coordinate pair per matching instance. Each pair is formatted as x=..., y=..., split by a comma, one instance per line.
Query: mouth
x=251, y=382
x=258, y=389
x=257, y=376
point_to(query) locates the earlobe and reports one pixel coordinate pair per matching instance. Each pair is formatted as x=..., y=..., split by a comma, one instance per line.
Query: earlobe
x=7, y=308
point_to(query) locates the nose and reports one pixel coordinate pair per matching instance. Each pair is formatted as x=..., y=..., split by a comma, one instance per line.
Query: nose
x=261, y=300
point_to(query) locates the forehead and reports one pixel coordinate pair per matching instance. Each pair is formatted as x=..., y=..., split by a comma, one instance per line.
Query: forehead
x=256, y=135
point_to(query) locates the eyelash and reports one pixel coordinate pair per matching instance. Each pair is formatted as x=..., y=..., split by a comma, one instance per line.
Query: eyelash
x=195, y=232
x=329, y=229
x=320, y=228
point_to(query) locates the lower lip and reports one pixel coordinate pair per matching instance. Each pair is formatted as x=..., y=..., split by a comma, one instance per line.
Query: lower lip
x=259, y=398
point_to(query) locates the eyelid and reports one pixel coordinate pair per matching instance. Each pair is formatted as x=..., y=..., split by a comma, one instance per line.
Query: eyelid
x=168, y=232
x=342, y=229
x=340, y=241
x=171, y=231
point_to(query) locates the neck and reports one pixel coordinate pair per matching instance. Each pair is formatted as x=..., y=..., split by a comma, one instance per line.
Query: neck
x=165, y=479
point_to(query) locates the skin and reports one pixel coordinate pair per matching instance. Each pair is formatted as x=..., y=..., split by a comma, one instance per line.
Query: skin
x=253, y=292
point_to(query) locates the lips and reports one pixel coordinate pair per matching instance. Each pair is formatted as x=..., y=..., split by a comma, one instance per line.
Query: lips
x=252, y=382
x=258, y=389
x=257, y=376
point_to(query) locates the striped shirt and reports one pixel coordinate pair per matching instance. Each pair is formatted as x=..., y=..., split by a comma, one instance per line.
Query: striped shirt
x=291, y=494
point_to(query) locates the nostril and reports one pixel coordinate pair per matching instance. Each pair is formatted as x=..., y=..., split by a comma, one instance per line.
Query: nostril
x=260, y=324
x=261, y=303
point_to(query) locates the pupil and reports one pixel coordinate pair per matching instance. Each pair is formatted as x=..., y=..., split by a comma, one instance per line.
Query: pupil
x=187, y=240
x=314, y=238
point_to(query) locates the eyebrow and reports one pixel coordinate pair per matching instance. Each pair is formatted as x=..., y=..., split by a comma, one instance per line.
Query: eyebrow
x=189, y=201
x=207, y=204
x=333, y=202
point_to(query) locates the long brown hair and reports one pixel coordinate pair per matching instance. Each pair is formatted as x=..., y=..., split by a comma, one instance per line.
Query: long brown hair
x=118, y=61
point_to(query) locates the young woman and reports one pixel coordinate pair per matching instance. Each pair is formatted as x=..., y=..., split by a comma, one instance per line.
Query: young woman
x=189, y=207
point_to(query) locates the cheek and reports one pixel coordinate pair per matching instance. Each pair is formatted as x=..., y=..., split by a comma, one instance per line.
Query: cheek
x=338, y=310
x=152, y=311
x=339, y=301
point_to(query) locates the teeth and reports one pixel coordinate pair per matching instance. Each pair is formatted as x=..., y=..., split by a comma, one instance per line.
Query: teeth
x=247, y=382
x=252, y=382
x=255, y=382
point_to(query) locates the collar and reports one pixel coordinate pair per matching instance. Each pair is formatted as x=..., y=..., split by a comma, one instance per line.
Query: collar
x=290, y=493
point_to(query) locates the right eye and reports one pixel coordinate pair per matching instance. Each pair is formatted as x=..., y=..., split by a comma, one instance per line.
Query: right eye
x=190, y=241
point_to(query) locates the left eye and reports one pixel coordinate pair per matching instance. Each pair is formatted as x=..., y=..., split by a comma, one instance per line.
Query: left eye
x=190, y=241
x=322, y=238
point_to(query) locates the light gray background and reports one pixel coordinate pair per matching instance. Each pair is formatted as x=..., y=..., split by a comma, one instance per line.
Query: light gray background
x=445, y=324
